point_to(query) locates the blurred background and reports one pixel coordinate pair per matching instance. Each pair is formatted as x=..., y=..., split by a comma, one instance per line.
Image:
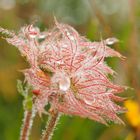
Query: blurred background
x=93, y=19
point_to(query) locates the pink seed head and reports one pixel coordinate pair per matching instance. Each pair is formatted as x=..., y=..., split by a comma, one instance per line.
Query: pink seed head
x=69, y=72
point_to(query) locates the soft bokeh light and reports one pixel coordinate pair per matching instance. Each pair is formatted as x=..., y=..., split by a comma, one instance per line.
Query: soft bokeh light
x=7, y=4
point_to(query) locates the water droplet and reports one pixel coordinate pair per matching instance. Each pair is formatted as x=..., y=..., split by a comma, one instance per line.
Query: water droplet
x=88, y=102
x=111, y=41
x=64, y=83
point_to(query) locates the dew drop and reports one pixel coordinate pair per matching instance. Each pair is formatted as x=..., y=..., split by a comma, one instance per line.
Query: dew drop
x=88, y=102
x=64, y=83
x=111, y=41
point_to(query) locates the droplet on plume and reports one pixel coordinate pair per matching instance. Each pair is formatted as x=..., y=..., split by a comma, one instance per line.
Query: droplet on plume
x=64, y=83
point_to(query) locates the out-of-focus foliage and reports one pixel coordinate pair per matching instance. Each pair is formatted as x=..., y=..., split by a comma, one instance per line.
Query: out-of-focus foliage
x=95, y=19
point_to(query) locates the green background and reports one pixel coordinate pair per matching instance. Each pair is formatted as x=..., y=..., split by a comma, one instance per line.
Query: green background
x=91, y=18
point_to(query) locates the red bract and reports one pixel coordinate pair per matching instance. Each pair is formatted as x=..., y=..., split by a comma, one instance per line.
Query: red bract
x=68, y=71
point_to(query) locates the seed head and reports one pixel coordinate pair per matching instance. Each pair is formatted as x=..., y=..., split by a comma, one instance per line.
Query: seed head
x=69, y=72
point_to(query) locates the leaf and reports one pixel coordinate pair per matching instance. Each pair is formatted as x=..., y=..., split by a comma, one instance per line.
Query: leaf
x=25, y=91
x=27, y=103
x=20, y=88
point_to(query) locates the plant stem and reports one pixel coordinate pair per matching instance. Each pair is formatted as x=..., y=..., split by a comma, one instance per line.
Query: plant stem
x=27, y=124
x=52, y=122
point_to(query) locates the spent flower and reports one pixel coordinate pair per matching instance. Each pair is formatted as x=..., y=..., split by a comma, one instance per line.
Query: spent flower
x=69, y=72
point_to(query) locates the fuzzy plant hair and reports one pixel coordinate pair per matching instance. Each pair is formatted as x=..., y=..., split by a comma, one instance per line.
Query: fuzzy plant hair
x=69, y=72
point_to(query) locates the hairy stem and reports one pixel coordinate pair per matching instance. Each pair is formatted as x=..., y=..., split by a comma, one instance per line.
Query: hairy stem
x=52, y=122
x=27, y=124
